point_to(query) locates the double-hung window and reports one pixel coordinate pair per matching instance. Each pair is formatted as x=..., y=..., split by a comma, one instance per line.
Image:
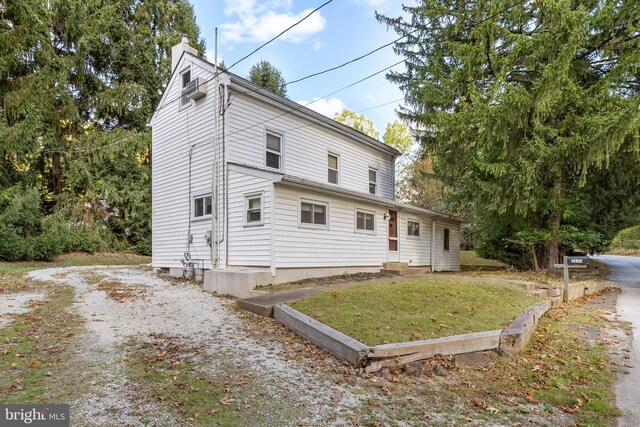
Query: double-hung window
x=313, y=214
x=365, y=221
x=253, y=209
x=202, y=206
x=185, y=78
x=413, y=228
x=373, y=181
x=333, y=163
x=273, y=155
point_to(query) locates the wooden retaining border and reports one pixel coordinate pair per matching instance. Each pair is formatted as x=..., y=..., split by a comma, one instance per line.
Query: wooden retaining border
x=508, y=341
x=402, y=353
x=339, y=344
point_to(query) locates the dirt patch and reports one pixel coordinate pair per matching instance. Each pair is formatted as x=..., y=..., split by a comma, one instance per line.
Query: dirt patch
x=120, y=292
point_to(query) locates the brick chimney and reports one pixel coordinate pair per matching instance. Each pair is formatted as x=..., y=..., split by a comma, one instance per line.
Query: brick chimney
x=176, y=51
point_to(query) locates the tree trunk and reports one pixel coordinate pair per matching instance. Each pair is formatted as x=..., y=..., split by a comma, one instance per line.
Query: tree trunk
x=551, y=249
x=56, y=173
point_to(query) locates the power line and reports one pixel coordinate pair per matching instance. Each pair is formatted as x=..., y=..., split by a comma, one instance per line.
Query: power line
x=351, y=61
x=254, y=51
x=263, y=45
x=299, y=107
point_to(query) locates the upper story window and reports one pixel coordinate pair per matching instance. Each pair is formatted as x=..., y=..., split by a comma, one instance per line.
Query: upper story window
x=333, y=162
x=373, y=181
x=202, y=206
x=365, y=220
x=273, y=155
x=253, y=208
x=313, y=214
x=185, y=78
x=446, y=239
x=413, y=228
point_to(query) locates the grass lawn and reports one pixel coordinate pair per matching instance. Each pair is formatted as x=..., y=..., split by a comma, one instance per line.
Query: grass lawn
x=12, y=274
x=417, y=309
x=75, y=259
x=472, y=258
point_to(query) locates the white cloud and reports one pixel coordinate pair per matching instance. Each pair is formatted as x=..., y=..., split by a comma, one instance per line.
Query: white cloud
x=328, y=107
x=318, y=44
x=259, y=21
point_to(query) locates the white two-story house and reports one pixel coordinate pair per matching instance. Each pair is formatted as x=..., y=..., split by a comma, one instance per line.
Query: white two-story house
x=252, y=188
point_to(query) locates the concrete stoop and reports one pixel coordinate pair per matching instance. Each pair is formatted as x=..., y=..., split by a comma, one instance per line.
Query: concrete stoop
x=238, y=282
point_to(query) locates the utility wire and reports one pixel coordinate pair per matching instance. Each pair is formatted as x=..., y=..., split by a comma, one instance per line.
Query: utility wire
x=351, y=61
x=263, y=45
x=299, y=107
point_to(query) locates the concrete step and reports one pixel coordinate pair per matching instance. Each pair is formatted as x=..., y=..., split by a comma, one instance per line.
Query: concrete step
x=526, y=286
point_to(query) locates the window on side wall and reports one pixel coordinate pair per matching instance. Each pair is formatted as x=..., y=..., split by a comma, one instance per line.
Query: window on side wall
x=446, y=239
x=202, y=206
x=413, y=228
x=185, y=78
x=333, y=163
x=373, y=181
x=273, y=155
x=313, y=214
x=365, y=221
x=253, y=209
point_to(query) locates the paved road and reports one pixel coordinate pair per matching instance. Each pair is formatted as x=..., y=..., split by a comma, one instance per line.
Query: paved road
x=626, y=271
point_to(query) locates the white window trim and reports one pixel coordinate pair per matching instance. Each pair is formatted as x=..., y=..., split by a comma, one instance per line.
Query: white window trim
x=264, y=160
x=193, y=207
x=190, y=103
x=355, y=223
x=327, y=206
x=371, y=182
x=336, y=155
x=256, y=195
x=411, y=236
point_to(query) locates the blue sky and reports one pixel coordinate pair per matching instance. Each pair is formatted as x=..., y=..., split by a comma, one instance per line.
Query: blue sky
x=340, y=31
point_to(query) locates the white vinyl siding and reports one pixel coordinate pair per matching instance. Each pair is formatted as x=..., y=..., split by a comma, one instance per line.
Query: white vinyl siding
x=447, y=260
x=415, y=250
x=248, y=246
x=172, y=203
x=340, y=246
x=305, y=147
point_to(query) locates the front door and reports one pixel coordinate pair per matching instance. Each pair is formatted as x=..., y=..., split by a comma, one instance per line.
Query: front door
x=393, y=254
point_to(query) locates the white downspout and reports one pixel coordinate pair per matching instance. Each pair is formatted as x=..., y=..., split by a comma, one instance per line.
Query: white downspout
x=433, y=245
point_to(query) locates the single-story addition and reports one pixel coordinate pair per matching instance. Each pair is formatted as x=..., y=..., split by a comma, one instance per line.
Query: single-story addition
x=250, y=188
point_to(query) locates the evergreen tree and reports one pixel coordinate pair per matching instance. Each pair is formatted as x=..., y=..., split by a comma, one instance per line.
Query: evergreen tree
x=265, y=74
x=78, y=83
x=525, y=107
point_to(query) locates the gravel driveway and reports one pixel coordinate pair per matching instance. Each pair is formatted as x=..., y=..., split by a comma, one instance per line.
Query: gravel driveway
x=158, y=307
